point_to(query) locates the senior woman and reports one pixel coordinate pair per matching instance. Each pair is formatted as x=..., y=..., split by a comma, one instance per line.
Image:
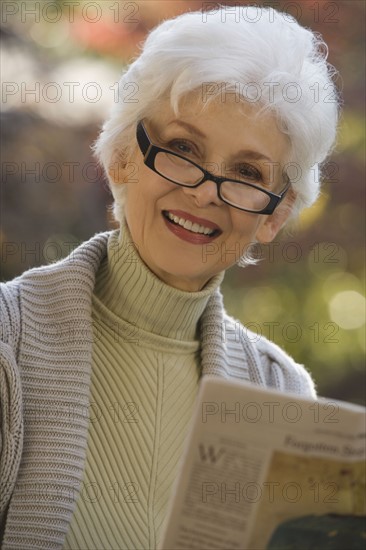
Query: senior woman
x=102, y=353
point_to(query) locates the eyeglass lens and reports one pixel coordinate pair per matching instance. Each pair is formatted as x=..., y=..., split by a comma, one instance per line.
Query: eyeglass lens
x=182, y=171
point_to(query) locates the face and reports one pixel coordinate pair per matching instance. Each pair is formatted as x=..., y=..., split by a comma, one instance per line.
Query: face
x=223, y=138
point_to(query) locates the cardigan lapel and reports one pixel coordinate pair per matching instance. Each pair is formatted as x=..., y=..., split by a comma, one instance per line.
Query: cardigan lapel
x=55, y=366
x=213, y=350
x=227, y=350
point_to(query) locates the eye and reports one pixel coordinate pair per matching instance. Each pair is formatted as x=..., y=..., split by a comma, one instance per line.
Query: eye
x=247, y=171
x=182, y=147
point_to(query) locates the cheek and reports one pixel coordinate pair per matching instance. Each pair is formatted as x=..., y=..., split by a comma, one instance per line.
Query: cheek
x=149, y=187
x=135, y=209
x=245, y=224
x=145, y=197
x=137, y=195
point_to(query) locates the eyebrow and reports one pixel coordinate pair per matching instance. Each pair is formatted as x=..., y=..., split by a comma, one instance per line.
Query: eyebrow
x=247, y=153
x=252, y=155
x=189, y=127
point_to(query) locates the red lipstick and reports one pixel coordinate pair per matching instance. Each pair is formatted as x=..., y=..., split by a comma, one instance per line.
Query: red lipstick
x=185, y=234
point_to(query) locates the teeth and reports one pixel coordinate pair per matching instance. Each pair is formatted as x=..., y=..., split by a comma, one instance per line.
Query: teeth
x=187, y=224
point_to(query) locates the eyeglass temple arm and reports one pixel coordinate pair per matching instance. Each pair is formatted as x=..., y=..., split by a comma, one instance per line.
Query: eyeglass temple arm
x=142, y=138
x=283, y=193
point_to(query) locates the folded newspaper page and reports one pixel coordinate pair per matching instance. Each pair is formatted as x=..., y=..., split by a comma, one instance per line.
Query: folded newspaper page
x=263, y=469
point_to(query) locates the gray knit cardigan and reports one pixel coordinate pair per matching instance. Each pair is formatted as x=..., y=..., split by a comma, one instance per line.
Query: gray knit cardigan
x=45, y=366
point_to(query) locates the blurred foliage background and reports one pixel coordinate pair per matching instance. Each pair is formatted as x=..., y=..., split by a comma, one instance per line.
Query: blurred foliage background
x=60, y=64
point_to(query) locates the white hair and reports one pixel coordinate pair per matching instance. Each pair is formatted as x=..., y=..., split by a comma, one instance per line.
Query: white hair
x=258, y=53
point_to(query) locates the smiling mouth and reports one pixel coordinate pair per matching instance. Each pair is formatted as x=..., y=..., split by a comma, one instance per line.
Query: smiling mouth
x=190, y=226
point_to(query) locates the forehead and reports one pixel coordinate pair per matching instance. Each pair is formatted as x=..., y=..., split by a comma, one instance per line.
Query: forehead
x=196, y=103
x=227, y=126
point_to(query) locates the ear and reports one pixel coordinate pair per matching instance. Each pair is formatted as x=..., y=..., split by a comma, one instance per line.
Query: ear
x=117, y=170
x=123, y=166
x=272, y=224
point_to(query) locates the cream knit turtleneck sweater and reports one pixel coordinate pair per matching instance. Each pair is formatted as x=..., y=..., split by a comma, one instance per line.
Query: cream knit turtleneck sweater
x=146, y=367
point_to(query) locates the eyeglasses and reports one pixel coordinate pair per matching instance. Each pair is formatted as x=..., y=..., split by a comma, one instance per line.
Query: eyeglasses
x=182, y=171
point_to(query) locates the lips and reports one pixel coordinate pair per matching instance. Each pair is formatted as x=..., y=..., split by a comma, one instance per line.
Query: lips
x=205, y=230
x=194, y=219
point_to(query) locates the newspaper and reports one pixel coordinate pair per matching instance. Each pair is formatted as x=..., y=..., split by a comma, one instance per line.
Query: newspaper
x=264, y=469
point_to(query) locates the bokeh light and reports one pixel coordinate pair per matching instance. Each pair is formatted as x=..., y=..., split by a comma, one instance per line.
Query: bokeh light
x=347, y=309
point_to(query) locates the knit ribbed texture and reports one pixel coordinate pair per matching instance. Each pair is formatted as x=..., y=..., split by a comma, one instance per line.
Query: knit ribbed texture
x=10, y=397
x=132, y=292
x=51, y=355
x=144, y=382
x=55, y=360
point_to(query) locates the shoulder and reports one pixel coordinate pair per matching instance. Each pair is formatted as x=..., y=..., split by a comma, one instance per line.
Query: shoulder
x=269, y=365
x=10, y=313
x=282, y=371
x=85, y=257
x=42, y=285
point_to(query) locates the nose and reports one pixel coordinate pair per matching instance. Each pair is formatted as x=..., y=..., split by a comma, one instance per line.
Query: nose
x=204, y=195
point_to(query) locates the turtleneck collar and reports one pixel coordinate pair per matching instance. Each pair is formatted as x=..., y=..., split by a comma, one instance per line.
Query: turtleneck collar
x=127, y=287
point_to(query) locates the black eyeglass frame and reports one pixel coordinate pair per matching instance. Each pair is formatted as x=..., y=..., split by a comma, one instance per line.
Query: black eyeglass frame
x=150, y=150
